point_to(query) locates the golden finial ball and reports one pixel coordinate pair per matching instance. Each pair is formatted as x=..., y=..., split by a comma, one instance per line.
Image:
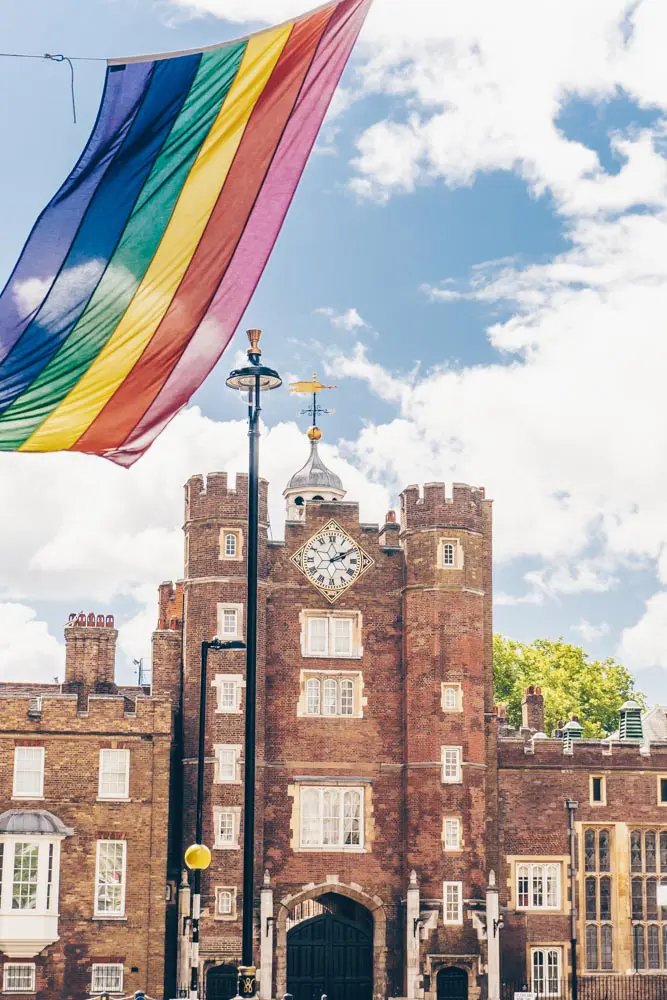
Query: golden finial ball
x=197, y=857
x=314, y=433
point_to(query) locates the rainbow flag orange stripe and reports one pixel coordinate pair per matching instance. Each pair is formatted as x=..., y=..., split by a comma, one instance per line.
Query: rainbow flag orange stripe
x=137, y=273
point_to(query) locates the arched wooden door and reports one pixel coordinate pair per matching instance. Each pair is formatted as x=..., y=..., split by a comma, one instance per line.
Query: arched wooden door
x=452, y=984
x=221, y=981
x=330, y=954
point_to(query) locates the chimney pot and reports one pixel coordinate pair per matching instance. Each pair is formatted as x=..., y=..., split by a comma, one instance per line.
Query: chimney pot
x=532, y=710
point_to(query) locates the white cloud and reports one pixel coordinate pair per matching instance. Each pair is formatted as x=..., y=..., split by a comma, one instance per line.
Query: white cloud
x=27, y=651
x=590, y=632
x=645, y=643
x=349, y=320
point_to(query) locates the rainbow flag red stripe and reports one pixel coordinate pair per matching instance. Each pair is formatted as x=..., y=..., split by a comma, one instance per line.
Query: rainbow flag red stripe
x=137, y=273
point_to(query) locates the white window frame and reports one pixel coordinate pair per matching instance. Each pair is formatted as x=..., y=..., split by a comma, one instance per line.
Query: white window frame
x=458, y=554
x=545, y=950
x=235, y=812
x=536, y=874
x=457, y=778
x=19, y=965
x=455, y=687
x=355, y=649
x=235, y=636
x=324, y=679
x=448, y=920
x=110, y=914
x=238, y=551
x=451, y=833
x=46, y=904
x=96, y=987
x=219, y=890
x=18, y=751
x=339, y=845
x=220, y=750
x=237, y=681
x=121, y=796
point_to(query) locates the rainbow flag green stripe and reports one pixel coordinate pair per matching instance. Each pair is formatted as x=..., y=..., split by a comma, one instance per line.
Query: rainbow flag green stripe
x=137, y=273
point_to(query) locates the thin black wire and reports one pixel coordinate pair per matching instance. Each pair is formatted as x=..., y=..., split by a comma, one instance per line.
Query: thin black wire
x=59, y=58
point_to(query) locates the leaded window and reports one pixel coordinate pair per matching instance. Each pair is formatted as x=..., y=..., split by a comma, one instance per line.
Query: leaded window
x=648, y=868
x=331, y=817
x=597, y=903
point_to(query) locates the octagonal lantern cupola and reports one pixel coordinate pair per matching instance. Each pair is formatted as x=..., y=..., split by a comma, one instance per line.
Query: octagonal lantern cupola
x=312, y=482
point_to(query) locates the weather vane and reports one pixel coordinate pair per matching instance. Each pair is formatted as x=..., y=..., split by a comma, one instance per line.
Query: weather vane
x=314, y=410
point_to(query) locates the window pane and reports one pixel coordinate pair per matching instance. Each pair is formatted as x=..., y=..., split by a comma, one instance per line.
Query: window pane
x=109, y=896
x=591, y=899
x=448, y=554
x=597, y=789
x=352, y=818
x=538, y=972
x=663, y=789
x=605, y=899
x=552, y=885
x=522, y=885
x=227, y=764
x=28, y=771
x=653, y=949
x=450, y=698
x=637, y=899
x=331, y=816
x=537, y=896
x=107, y=978
x=591, y=947
x=553, y=971
x=310, y=817
x=330, y=700
x=638, y=946
x=664, y=946
x=603, y=851
x=24, y=888
x=229, y=616
x=452, y=902
x=225, y=902
x=114, y=773
x=49, y=877
x=313, y=696
x=607, y=950
x=317, y=635
x=663, y=851
x=649, y=851
x=452, y=839
x=228, y=695
x=226, y=827
x=347, y=697
x=342, y=636
x=651, y=899
x=230, y=546
x=635, y=851
x=589, y=850
x=451, y=764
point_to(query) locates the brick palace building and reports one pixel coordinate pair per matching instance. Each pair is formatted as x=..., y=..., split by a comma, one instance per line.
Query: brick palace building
x=396, y=810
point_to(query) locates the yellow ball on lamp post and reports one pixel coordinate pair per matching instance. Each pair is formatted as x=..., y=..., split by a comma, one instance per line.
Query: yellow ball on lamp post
x=197, y=857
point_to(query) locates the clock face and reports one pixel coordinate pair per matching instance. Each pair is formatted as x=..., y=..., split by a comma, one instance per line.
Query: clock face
x=332, y=560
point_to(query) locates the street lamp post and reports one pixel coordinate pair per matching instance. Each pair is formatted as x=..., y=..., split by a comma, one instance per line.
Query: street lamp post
x=252, y=379
x=198, y=856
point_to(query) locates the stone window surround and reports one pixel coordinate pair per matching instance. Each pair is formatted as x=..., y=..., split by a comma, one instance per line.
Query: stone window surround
x=236, y=748
x=603, y=789
x=513, y=862
x=239, y=682
x=458, y=553
x=229, y=606
x=357, y=647
x=356, y=676
x=17, y=754
x=238, y=532
x=660, y=778
x=236, y=811
x=534, y=946
x=367, y=827
x=459, y=696
x=458, y=779
x=219, y=889
x=461, y=844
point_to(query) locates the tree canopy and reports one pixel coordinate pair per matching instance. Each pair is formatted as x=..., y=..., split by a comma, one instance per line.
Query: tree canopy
x=593, y=690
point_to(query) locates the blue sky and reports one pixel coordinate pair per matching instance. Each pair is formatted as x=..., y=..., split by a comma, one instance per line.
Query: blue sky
x=476, y=256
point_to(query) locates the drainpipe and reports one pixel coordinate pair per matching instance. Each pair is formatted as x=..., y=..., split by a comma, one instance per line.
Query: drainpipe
x=571, y=805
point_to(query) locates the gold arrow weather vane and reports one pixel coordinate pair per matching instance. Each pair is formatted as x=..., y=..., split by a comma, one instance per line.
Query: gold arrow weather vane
x=313, y=386
x=314, y=410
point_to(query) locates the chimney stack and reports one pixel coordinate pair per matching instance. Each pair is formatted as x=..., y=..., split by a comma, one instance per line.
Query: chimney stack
x=532, y=710
x=90, y=655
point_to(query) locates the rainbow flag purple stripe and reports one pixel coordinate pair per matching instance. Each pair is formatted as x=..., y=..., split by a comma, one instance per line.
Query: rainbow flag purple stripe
x=136, y=274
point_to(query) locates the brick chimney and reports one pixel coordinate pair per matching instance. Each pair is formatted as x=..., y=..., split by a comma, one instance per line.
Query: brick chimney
x=532, y=710
x=90, y=656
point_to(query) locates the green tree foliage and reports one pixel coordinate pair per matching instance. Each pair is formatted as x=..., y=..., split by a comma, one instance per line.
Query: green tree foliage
x=571, y=684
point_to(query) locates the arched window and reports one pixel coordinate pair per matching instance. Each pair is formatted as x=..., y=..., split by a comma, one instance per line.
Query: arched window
x=604, y=858
x=449, y=698
x=347, y=697
x=352, y=817
x=225, y=902
x=231, y=543
x=591, y=947
x=606, y=949
x=330, y=706
x=638, y=946
x=653, y=947
x=448, y=553
x=313, y=696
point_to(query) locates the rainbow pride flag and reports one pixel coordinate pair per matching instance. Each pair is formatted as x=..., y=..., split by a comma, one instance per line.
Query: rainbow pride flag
x=137, y=273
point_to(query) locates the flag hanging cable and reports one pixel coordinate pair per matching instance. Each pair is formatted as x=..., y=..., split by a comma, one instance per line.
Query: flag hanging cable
x=136, y=274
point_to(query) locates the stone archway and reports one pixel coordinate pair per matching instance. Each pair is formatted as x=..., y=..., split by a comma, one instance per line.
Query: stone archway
x=373, y=904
